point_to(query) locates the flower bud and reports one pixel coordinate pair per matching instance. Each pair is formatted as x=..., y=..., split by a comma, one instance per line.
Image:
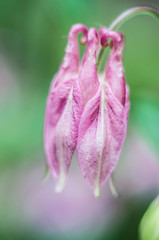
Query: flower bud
x=149, y=226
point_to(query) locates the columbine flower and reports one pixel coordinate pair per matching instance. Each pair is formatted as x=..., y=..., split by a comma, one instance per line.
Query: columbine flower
x=103, y=123
x=88, y=110
x=63, y=110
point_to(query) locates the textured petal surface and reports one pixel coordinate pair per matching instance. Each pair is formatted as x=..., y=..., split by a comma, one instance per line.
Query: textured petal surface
x=103, y=123
x=102, y=131
x=70, y=65
x=114, y=69
x=64, y=109
x=88, y=79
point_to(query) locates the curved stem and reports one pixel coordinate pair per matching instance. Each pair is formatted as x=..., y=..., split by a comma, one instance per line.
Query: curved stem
x=132, y=12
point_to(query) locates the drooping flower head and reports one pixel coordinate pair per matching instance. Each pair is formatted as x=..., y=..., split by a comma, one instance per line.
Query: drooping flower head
x=87, y=110
x=63, y=110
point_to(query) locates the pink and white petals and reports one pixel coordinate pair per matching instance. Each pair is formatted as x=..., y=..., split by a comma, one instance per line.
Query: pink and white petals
x=103, y=123
x=63, y=111
x=101, y=135
x=87, y=110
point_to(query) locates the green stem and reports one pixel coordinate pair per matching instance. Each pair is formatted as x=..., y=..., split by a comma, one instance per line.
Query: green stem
x=132, y=12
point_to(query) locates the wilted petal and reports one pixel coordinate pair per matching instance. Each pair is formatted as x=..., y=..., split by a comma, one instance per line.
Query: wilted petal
x=89, y=148
x=88, y=79
x=101, y=134
x=64, y=109
x=114, y=69
x=70, y=65
x=63, y=112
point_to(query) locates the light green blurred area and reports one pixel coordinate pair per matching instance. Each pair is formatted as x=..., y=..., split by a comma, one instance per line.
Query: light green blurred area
x=149, y=227
x=33, y=35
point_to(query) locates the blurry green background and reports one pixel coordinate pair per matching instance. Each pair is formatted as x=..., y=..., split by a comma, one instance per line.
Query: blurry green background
x=33, y=35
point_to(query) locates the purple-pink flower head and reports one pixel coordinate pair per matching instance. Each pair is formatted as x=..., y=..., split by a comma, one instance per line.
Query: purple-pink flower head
x=87, y=109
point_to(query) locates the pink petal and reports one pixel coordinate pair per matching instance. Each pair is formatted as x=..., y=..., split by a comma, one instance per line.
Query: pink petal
x=103, y=123
x=114, y=69
x=63, y=111
x=88, y=79
x=70, y=65
x=101, y=135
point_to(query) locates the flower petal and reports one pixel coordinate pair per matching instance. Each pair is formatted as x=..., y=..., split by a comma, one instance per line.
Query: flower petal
x=70, y=65
x=88, y=79
x=114, y=69
x=103, y=123
x=101, y=135
x=64, y=109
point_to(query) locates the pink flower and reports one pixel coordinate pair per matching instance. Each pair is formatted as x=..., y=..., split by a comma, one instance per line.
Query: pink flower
x=63, y=111
x=103, y=123
x=87, y=110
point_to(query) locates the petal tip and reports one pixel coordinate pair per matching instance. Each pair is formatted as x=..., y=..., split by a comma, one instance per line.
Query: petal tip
x=61, y=183
x=96, y=192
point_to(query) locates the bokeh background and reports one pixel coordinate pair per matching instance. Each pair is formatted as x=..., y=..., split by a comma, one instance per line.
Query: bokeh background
x=33, y=35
